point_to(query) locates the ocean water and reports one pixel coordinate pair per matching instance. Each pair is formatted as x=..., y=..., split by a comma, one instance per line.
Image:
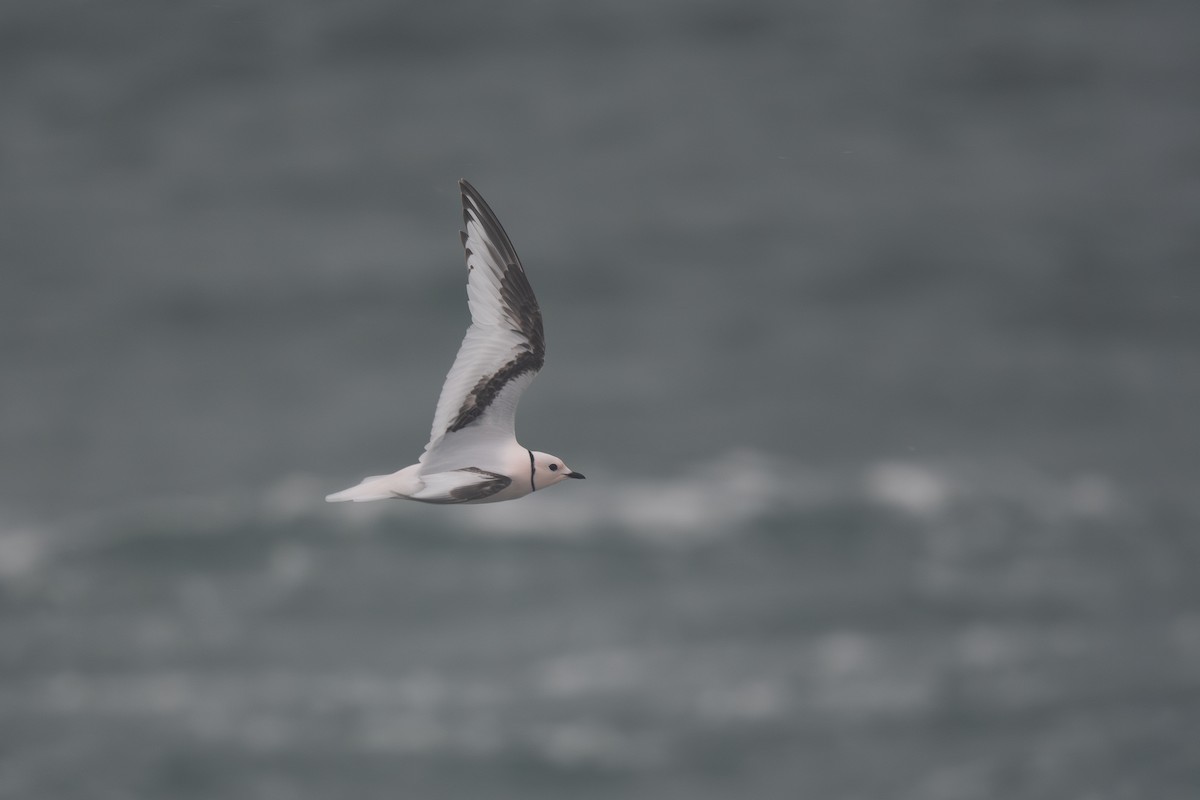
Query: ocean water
x=872, y=325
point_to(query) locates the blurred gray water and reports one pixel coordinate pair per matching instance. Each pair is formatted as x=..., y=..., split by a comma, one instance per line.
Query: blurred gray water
x=872, y=324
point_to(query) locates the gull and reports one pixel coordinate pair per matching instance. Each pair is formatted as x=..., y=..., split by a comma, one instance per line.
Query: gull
x=473, y=455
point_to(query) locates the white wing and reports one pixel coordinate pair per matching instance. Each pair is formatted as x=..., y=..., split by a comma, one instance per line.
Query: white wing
x=501, y=353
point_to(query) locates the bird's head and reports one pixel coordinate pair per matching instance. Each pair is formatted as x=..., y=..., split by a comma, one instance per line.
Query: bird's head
x=549, y=470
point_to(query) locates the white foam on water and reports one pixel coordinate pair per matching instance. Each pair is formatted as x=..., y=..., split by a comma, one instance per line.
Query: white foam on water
x=22, y=552
x=416, y=713
x=909, y=487
x=723, y=495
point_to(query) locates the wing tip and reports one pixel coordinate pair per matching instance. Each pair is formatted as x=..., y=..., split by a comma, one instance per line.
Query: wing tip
x=477, y=210
x=471, y=201
x=468, y=191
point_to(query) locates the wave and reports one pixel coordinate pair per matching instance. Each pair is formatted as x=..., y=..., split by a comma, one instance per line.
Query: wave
x=735, y=490
x=725, y=495
x=721, y=494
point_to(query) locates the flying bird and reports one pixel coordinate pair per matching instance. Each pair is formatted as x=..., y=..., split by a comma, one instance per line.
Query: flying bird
x=473, y=455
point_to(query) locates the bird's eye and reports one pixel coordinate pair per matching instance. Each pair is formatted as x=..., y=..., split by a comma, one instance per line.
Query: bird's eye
x=554, y=467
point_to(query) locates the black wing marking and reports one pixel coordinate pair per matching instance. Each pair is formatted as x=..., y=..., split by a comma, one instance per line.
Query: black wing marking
x=475, y=491
x=520, y=309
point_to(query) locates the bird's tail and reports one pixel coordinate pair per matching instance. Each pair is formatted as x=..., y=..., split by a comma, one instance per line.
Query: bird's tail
x=380, y=487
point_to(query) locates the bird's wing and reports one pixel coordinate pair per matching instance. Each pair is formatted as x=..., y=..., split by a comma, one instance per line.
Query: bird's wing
x=502, y=351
